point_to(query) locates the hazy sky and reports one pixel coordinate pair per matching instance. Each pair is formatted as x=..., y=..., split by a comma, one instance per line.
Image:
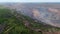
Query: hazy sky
x=29, y=0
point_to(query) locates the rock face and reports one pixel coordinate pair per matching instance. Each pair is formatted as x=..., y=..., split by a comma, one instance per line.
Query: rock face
x=47, y=13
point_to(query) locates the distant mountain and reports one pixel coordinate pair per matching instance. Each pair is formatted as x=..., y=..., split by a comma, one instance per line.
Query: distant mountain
x=48, y=13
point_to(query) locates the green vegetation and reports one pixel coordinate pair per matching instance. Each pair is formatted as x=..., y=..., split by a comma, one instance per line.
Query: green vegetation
x=13, y=23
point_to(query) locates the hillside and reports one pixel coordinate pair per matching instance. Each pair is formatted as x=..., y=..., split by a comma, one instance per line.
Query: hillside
x=12, y=22
x=49, y=13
